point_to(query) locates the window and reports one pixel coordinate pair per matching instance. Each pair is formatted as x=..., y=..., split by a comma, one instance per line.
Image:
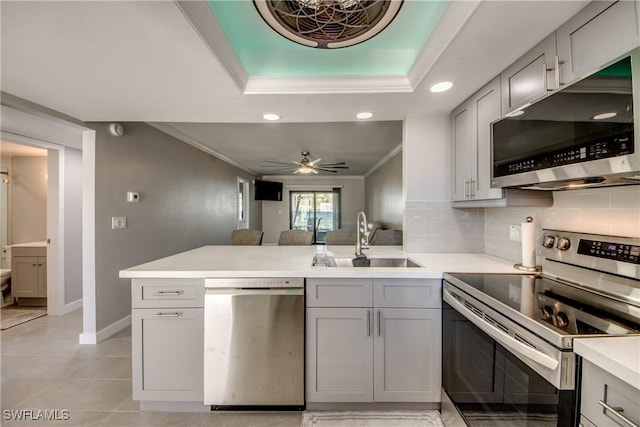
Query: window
x=316, y=211
x=243, y=203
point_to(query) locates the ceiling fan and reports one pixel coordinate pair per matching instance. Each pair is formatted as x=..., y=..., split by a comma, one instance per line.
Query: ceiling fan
x=307, y=166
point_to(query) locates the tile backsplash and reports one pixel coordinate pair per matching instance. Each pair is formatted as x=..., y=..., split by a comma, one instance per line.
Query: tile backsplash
x=612, y=211
x=434, y=226
x=437, y=227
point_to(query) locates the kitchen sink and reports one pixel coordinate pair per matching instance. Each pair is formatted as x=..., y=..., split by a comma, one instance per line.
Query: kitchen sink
x=369, y=262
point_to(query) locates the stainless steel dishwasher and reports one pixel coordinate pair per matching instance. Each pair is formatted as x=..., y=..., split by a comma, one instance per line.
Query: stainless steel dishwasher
x=254, y=342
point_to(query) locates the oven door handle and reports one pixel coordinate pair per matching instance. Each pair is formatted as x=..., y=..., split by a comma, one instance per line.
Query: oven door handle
x=504, y=339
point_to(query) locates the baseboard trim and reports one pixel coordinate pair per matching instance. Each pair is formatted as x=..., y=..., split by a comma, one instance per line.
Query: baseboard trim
x=96, y=337
x=72, y=306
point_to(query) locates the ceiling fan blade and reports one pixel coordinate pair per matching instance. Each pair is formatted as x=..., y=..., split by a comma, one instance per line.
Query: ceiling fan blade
x=335, y=167
x=325, y=170
x=314, y=163
x=282, y=163
x=334, y=164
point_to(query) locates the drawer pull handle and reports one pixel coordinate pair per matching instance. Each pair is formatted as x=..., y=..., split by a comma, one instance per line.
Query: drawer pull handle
x=618, y=413
x=168, y=293
x=167, y=315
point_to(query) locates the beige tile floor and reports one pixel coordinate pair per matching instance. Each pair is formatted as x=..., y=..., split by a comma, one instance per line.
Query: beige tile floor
x=44, y=368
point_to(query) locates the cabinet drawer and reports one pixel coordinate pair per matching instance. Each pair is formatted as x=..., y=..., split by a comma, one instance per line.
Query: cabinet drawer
x=339, y=292
x=407, y=293
x=149, y=293
x=600, y=388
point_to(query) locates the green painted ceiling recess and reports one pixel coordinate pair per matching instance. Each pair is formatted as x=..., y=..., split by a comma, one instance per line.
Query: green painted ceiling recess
x=265, y=53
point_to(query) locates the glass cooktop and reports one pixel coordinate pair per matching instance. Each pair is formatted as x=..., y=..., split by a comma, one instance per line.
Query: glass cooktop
x=566, y=309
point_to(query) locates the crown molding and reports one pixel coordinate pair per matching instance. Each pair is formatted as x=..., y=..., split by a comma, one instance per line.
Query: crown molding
x=206, y=26
x=176, y=133
x=450, y=24
x=384, y=160
x=326, y=85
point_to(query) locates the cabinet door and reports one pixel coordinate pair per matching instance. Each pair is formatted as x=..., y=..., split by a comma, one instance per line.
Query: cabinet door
x=487, y=111
x=339, y=355
x=531, y=76
x=463, y=150
x=599, y=33
x=168, y=354
x=407, y=349
x=42, y=277
x=25, y=277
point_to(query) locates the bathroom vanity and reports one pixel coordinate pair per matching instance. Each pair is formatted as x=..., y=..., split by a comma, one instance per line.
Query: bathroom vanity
x=29, y=273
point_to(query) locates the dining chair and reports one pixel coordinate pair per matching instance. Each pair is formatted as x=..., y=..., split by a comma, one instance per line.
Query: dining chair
x=341, y=237
x=246, y=237
x=387, y=237
x=295, y=237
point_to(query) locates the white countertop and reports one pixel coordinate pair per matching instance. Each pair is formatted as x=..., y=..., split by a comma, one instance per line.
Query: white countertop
x=296, y=261
x=620, y=356
x=42, y=244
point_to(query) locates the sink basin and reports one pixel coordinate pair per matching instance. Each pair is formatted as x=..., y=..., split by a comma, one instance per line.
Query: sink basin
x=372, y=262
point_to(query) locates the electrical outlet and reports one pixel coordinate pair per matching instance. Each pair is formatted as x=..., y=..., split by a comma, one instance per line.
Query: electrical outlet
x=118, y=222
x=514, y=233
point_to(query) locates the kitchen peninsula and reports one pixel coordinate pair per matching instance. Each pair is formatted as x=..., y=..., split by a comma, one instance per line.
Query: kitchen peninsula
x=399, y=306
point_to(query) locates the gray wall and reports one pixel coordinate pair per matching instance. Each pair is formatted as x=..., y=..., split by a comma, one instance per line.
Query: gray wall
x=72, y=218
x=28, y=203
x=383, y=194
x=188, y=199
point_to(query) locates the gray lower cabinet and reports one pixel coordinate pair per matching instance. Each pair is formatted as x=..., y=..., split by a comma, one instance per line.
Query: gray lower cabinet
x=386, y=347
x=607, y=400
x=168, y=340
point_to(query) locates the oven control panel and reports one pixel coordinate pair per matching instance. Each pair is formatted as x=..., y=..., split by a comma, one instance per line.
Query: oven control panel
x=610, y=250
x=593, y=251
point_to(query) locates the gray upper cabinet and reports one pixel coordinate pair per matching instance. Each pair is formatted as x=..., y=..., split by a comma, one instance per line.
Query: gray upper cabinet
x=471, y=144
x=598, y=34
x=531, y=76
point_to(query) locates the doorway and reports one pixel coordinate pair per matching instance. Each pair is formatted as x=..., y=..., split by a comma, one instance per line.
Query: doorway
x=315, y=211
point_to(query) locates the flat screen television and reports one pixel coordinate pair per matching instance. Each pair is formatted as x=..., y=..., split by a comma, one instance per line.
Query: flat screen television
x=268, y=190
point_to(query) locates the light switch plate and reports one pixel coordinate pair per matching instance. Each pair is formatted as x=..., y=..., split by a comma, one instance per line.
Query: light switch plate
x=118, y=222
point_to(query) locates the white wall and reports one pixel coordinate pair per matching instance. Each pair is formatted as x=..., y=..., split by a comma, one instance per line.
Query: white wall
x=431, y=224
x=275, y=215
x=28, y=202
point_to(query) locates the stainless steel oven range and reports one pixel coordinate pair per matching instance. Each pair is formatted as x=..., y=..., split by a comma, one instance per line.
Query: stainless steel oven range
x=508, y=339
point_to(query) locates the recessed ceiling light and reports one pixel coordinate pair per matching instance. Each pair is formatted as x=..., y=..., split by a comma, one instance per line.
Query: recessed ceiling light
x=441, y=87
x=271, y=116
x=603, y=116
x=364, y=115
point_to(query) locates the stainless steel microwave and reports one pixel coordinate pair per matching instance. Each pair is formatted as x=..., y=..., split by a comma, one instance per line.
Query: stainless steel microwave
x=580, y=136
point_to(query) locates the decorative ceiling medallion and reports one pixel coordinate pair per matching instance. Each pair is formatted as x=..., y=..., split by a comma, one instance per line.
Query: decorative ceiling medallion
x=328, y=24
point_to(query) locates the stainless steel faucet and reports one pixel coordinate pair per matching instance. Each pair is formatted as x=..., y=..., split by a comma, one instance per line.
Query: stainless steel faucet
x=362, y=234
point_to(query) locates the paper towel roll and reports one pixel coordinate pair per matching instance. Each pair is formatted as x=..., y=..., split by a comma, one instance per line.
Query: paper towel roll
x=528, y=233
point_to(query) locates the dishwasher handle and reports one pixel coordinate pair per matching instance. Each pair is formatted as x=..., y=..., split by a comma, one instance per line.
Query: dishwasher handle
x=255, y=291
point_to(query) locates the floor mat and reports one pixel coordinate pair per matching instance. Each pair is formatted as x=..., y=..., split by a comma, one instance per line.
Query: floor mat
x=13, y=315
x=371, y=419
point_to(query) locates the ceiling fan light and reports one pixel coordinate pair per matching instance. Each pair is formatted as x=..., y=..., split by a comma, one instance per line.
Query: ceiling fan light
x=271, y=116
x=364, y=115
